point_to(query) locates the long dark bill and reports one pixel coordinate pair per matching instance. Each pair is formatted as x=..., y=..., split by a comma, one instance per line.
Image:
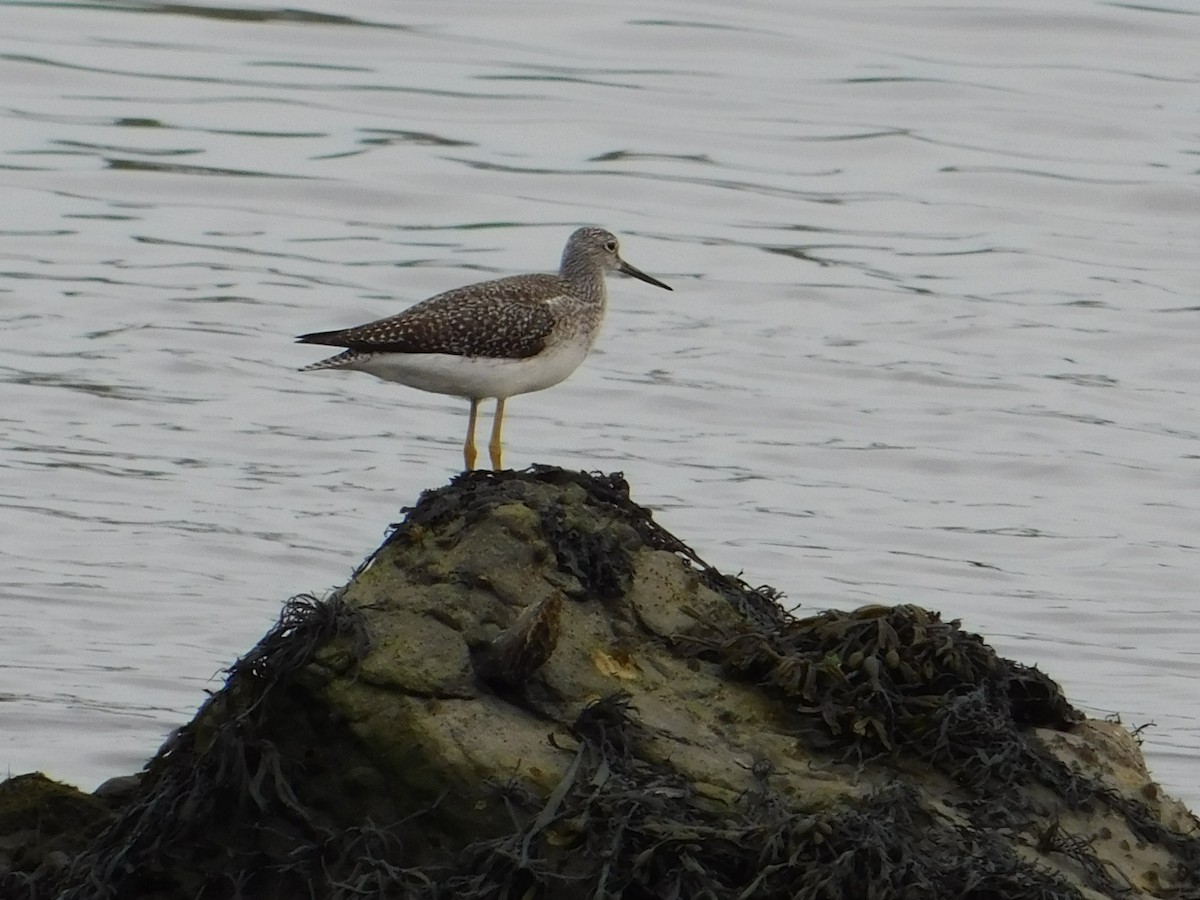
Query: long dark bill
x=638, y=273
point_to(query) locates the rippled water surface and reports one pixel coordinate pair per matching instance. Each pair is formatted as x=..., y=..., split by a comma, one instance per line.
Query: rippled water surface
x=933, y=337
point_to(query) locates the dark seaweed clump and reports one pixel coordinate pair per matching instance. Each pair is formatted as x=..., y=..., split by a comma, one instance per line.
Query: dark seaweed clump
x=892, y=680
x=618, y=826
x=220, y=811
x=888, y=683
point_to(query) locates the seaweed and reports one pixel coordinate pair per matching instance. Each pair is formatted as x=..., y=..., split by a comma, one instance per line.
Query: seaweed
x=899, y=680
x=597, y=559
x=221, y=794
x=618, y=826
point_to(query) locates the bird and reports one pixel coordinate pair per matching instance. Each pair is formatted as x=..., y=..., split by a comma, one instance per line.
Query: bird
x=494, y=339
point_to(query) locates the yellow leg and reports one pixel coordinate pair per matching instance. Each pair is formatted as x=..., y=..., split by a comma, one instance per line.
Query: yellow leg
x=469, y=446
x=494, y=446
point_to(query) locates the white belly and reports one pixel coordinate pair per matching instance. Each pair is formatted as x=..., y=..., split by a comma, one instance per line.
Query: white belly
x=475, y=376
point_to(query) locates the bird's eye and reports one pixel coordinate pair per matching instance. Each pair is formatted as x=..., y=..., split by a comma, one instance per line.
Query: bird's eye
x=611, y=246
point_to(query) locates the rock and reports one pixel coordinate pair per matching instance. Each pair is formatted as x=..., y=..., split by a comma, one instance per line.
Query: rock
x=118, y=790
x=531, y=689
x=44, y=825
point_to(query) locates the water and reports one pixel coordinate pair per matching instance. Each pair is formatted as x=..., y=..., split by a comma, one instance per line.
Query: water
x=932, y=338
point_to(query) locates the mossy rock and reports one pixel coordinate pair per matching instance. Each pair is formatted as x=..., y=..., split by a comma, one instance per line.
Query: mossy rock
x=533, y=690
x=44, y=825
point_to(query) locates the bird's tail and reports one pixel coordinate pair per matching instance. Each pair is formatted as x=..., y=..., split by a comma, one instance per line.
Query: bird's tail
x=334, y=362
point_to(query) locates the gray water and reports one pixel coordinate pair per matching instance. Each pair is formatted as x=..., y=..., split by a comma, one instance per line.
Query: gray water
x=933, y=337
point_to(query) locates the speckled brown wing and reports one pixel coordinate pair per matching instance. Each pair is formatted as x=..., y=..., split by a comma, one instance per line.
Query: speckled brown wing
x=504, y=319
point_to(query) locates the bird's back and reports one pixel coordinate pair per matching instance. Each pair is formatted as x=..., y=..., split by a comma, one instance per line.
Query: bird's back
x=509, y=318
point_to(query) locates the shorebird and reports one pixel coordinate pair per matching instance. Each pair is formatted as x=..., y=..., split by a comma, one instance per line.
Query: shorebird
x=494, y=339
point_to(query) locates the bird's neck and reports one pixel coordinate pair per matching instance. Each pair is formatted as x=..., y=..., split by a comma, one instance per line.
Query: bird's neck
x=586, y=283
